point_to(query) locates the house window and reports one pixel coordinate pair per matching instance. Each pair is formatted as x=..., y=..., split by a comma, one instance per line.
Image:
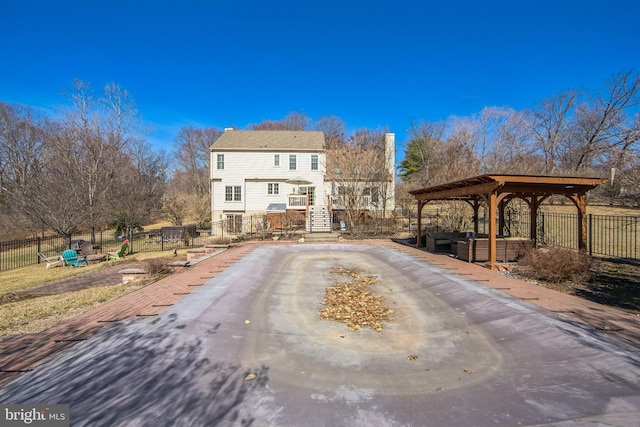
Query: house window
x=273, y=188
x=234, y=223
x=292, y=162
x=276, y=160
x=220, y=161
x=232, y=193
x=314, y=162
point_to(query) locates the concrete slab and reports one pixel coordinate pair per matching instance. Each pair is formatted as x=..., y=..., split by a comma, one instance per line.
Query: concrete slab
x=249, y=348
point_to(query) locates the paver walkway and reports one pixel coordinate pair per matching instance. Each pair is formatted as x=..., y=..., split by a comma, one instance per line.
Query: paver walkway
x=607, y=320
x=104, y=277
x=21, y=353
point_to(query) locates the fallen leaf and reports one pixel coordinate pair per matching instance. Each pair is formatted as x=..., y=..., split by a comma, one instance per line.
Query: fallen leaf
x=250, y=377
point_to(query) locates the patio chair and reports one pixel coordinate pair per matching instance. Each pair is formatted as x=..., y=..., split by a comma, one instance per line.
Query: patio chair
x=120, y=254
x=71, y=258
x=51, y=261
x=86, y=248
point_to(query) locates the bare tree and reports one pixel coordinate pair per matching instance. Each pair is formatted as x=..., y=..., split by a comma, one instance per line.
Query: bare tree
x=623, y=185
x=500, y=139
x=455, y=158
x=293, y=121
x=191, y=150
x=627, y=181
x=600, y=133
x=137, y=205
x=22, y=146
x=511, y=149
x=360, y=177
x=191, y=177
x=550, y=122
x=175, y=207
x=96, y=134
x=68, y=173
x=183, y=204
x=335, y=131
x=44, y=198
x=421, y=162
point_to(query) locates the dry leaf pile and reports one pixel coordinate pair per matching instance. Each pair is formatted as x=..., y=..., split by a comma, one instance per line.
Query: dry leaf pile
x=354, y=304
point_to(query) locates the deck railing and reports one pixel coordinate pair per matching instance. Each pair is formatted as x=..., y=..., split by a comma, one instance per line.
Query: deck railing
x=297, y=201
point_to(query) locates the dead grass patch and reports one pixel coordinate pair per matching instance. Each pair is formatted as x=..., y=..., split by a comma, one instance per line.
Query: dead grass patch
x=37, y=314
x=24, y=278
x=29, y=314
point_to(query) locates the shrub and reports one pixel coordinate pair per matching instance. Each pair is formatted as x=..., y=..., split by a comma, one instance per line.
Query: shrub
x=221, y=241
x=156, y=266
x=555, y=265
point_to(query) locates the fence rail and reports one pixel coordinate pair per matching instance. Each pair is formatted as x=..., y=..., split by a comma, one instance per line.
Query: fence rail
x=22, y=253
x=607, y=235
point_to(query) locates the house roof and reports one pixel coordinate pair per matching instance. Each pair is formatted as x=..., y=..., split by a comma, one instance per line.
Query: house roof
x=269, y=140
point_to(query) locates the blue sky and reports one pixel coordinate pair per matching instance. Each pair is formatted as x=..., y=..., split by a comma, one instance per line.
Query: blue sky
x=371, y=63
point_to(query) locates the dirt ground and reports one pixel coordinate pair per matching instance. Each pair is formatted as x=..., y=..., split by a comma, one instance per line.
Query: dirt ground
x=612, y=282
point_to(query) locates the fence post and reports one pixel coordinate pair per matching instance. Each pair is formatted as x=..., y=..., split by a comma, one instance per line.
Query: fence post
x=38, y=240
x=590, y=234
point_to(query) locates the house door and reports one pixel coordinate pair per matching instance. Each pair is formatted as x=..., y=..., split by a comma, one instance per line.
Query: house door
x=311, y=194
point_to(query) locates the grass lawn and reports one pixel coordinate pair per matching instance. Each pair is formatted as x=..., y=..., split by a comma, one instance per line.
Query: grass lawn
x=21, y=313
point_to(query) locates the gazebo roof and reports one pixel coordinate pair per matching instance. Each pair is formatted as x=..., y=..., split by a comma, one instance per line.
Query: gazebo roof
x=516, y=184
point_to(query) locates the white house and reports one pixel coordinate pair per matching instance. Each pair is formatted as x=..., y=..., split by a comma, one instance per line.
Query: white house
x=262, y=171
x=255, y=171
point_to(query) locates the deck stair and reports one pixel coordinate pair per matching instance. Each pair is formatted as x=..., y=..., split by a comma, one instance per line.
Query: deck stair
x=321, y=238
x=318, y=219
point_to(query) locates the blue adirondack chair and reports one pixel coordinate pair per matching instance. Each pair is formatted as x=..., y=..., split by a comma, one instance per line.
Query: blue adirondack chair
x=71, y=258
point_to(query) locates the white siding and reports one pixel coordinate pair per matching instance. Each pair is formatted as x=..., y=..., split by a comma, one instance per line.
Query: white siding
x=252, y=171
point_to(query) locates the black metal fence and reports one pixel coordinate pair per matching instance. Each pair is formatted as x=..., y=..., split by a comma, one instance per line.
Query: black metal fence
x=607, y=235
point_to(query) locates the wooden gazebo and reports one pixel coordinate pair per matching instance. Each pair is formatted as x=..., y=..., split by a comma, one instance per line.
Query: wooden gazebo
x=497, y=190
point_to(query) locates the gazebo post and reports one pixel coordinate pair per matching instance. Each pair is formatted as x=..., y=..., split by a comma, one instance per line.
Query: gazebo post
x=533, y=220
x=501, y=207
x=476, y=208
x=419, y=225
x=581, y=203
x=493, y=198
